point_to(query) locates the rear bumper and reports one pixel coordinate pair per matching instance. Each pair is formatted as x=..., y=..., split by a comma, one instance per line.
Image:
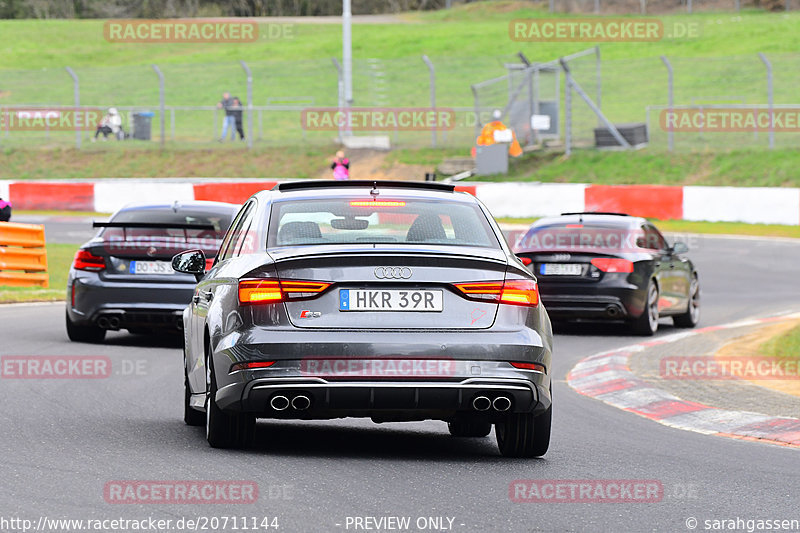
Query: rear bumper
x=612, y=299
x=389, y=399
x=153, y=305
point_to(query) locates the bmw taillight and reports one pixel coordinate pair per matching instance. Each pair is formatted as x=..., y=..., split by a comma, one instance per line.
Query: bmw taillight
x=613, y=264
x=255, y=291
x=86, y=260
x=513, y=292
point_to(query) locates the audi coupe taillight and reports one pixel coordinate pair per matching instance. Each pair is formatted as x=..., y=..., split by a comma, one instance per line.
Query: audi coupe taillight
x=613, y=264
x=86, y=260
x=254, y=291
x=514, y=292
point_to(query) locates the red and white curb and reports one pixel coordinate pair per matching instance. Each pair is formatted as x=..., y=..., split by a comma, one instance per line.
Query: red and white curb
x=607, y=377
x=756, y=205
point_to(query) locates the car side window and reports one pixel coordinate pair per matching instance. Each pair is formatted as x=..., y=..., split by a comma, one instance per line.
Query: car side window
x=228, y=246
x=651, y=238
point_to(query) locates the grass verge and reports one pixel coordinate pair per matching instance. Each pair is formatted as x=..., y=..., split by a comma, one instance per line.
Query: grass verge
x=785, y=346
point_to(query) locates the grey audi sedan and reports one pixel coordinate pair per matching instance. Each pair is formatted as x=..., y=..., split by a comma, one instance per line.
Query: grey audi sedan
x=395, y=301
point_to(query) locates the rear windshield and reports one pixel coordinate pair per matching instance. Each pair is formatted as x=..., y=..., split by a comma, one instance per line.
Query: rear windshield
x=385, y=221
x=581, y=237
x=206, y=238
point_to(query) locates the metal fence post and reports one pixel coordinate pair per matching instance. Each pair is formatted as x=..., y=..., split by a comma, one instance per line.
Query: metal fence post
x=596, y=7
x=769, y=99
x=77, y=91
x=340, y=87
x=689, y=6
x=738, y=5
x=599, y=81
x=432, y=72
x=643, y=5
x=249, y=104
x=567, y=113
x=671, y=100
x=552, y=5
x=162, y=111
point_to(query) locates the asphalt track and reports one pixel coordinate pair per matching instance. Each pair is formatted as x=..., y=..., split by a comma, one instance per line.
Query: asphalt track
x=63, y=440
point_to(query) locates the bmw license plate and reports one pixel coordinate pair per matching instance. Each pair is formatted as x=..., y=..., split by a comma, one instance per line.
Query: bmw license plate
x=390, y=300
x=151, y=267
x=561, y=269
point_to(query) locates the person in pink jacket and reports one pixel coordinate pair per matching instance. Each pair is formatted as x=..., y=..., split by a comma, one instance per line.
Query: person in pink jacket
x=341, y=167
x=5, y=211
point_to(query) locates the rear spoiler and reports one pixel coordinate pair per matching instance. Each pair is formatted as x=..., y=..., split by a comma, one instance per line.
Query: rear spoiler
x=332, y=184
x=155, y=225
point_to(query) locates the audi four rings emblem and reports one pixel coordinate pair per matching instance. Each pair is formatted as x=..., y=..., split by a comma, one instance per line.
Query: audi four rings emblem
x=393, y=272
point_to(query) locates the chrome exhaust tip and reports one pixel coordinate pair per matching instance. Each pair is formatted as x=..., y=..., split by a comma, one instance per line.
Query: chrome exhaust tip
x=301, y=402
x=279, y=403
x=113, y=322
x=501, y=403
x=481, y=403
x=612, y=311
x=103, y=322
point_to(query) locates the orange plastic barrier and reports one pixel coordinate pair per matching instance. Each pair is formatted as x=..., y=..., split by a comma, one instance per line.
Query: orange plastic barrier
x=23, y=258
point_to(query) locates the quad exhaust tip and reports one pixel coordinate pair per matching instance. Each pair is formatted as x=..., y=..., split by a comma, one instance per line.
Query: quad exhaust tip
x=481, y=403
x=279, y=403
x=501, y=403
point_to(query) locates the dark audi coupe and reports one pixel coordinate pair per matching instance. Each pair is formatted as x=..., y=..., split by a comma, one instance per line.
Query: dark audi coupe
x=123, y=277
x=395, y=301
x=611, y=266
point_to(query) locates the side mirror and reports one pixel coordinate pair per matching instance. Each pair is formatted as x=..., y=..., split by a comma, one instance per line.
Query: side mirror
x=679, y=248
x=190, y=262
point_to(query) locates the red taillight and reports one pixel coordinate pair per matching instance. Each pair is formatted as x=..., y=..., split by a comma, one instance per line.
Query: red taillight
x=612, y=264
x=514, y=292
x=529, y=366
x=520, y=292
x=209, y=263
x=254, y=365
x=86, y=260
x=254, y=291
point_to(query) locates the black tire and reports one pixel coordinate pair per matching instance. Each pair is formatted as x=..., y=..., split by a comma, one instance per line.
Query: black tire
x=691, y=317
x=225, y=430
x=78, y=333
x=191, y=417
x=647, y=323
x=469, y=428
x=524, y=435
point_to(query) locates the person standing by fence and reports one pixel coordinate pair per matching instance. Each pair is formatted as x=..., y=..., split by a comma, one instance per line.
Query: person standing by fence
x=237, y=117
x=228, y=121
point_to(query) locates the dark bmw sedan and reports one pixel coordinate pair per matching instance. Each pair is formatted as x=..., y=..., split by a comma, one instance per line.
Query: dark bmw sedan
x=395, y=301
x=123, y=277
x=611, y=266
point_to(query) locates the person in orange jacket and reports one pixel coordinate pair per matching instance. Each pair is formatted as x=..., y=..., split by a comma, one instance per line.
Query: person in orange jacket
x=488, y=136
